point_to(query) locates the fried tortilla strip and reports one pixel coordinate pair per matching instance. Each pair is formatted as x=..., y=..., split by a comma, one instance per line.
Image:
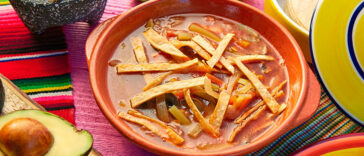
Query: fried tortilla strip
x=204, y=124
x=157, y=80
x=195, y=131
x=276, y=93
x=233, y=80
x=220, y=50
x=161, y=43
x=165, y=88
x=208, y=47
x=173, y=136
x=204, y=44
x=251, y=58
x=132, y=68
x=144, y=123
x=278, y=88
x=238, y=128
x=139, y=52
x=220, y=109
x=138, y=48
x=209, y=90
x=247, y=85
x=194, y=46
x=263, y=92
x=281, y=109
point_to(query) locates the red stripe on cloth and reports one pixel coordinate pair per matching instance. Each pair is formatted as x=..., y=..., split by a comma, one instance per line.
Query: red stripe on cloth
x=31, y=68
x=68, y=114
x=32, y=53
x=51, y=102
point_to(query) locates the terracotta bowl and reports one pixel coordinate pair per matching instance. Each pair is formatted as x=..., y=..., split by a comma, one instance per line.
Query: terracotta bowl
x=304, y=89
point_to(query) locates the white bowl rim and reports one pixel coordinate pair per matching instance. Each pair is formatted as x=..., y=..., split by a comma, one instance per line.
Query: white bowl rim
x=279, y=8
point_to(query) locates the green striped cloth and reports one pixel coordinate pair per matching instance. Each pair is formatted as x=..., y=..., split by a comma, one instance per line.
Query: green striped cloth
x=4, y=2
x=327, y=122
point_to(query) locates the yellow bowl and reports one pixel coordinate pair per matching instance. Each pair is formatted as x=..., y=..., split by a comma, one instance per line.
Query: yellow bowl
x=275, y=9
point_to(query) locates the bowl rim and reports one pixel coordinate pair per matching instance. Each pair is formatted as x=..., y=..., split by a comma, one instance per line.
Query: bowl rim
x=289, y=19
x=318, y=72
x=156, y=148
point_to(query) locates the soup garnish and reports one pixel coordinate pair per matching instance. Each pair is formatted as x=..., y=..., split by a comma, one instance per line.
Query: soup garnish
x=205, y=77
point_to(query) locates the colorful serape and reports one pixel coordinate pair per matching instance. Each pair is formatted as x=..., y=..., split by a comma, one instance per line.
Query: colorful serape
x=4, y=2
x=328, y=121
x=37, y=64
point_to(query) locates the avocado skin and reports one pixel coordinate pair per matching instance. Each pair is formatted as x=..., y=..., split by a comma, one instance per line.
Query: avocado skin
x=2, y=96
x=69, y=132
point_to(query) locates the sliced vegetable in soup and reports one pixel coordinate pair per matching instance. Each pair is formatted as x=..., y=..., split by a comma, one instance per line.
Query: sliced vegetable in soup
x=198, y=82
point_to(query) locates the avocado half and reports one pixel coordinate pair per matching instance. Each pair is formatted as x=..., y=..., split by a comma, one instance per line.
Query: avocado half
x=67, y=139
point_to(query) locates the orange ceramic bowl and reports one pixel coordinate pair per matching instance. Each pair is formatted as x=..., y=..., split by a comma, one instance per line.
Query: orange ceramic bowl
x=304, y=90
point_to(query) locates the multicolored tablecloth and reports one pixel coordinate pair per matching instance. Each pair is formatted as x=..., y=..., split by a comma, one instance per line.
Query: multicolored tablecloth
x=327, y=122
x=37, y=64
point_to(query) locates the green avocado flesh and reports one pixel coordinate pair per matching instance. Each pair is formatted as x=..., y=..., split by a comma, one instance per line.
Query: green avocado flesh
x=67, y=139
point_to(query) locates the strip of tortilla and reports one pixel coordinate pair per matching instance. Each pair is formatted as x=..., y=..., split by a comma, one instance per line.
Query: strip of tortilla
x=165, y=88
x=204, y=44
x=194, y=46
x=132, y=68
x=233, y=80
x=263, y=92
x=218, y=115
x=275, y=94
x=247, y=86
x=173, y=136
x=161, y=43
x=194, y=131
x=144, y=123
x=138, y=48
x=157, y=80
x=251, y=58
x=208, y=47
x=220, y=50
x=279, y=87
x=139, y=52
x=209, y=90
x=204, y=124
x=238, y=128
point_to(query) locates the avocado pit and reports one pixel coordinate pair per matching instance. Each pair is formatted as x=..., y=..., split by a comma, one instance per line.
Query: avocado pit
x=25, y=136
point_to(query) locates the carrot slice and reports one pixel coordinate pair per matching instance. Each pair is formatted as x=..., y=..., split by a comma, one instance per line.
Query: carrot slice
x=214, y=79
x=220, y=50
x=208, y=47
x=165, y=88
x=161, y=43
x=132, y=68
x=263, y=92
x=204, y=124
x=219, y=112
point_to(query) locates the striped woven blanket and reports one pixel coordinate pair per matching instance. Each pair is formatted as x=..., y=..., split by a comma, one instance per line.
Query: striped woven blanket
x=37, y=64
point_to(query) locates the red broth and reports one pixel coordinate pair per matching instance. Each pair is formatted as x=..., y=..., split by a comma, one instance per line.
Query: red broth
x=122, y=87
